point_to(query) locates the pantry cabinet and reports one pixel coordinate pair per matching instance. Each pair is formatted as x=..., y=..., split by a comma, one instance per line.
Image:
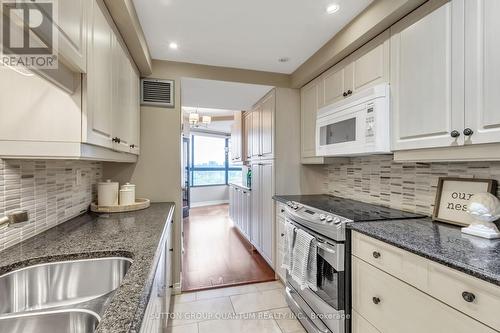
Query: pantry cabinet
x=262, y=127
x=263, y=209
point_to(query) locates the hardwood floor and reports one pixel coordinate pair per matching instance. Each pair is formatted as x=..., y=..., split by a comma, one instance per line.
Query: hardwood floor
x=216, y=255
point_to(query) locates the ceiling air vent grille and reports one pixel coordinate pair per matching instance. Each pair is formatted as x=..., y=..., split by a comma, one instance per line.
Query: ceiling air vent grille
x=158, y=93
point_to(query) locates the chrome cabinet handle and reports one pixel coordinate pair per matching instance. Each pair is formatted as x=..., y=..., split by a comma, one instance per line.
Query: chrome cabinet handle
x=376, y=254
x=455, y=134
x=376, y=300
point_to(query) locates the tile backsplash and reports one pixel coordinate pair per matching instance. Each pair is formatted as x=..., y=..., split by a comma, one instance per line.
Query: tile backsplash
x=48, y=189
x=405, y=186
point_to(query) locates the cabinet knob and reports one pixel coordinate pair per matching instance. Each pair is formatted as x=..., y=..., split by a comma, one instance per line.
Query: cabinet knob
x=376, y=254
x=282, y=235
x=282, y=210
x=468, y=297
x=116, y=139
x=132, y=146
x=376, y=300
x=468, y=132
x=455, y=134
x=349, y=92
x=344, y=94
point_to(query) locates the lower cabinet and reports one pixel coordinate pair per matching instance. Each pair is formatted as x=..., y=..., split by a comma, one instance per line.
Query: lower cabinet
x=155, y=318
x=239, y=209
x=386, y=300
x=280, y=241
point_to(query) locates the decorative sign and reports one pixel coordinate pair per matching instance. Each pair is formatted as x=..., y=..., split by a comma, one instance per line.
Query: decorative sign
x=453, y=195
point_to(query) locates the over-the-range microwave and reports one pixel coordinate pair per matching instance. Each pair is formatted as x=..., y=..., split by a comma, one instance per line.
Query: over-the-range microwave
x=358, y=125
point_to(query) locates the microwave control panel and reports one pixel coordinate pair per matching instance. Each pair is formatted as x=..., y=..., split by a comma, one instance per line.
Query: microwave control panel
x=370, y=123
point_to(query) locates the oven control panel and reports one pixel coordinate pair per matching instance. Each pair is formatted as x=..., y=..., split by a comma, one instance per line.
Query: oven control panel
x=314, y=214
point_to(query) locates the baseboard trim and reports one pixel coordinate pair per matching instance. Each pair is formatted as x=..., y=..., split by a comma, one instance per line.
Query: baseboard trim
x=209, y=203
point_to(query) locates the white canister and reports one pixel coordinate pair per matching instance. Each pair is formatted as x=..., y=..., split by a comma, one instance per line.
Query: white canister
x=129, y=186
x=107, y=193
x=126, y=197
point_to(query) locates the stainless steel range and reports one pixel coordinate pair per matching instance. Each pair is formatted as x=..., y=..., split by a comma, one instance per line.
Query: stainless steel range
x=328, y=309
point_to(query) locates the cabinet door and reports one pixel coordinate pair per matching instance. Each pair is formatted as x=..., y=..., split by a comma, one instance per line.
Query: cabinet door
x=267, y=211
x=231, y=202
x=247, y=125
x=246, y=213
x=308, y=110
x=72, y=31
x=122, y=99
x=372, y=67
x=280, y=247
x=427, y=61
x=98, y=123
x=267, y=126
x=256, y=136
x=482, y=71
x=236, y=135
x=333, y=85
x=256, y=206
x=135, y=129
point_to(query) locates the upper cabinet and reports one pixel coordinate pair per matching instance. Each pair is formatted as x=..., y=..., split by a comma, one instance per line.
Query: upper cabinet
x=427, y=60
x=482, y=71
x=261, y=132
x=98, y=114
x=72, y=31
x=100, y=119
x=237, y=138
x=366, y=67
x=445, y=63
x=247, y=139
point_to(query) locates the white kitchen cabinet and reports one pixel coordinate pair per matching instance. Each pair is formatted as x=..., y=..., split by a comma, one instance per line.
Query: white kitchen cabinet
x=237, y=138
x=267, y=125
x=336, y=82
x=98, y=113
x=239, y=209
x=135, y=124
x=280, y=241
x=263, y=209
x=427, y=77
x=255, y=132
x=482, y=71
x=308, y=111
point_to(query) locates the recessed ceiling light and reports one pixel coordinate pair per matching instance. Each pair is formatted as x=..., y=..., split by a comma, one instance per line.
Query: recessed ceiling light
x=173, y=46
x=333, y=8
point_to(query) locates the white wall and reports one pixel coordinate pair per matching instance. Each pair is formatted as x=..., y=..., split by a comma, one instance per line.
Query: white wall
x=209, y=195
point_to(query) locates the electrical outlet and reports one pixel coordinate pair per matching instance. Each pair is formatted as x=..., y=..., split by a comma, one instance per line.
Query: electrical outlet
x=78, y=180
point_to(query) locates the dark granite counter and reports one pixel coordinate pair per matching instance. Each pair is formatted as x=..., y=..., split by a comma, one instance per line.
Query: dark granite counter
x=351, y=209
x=135, y=235
x=442, y=243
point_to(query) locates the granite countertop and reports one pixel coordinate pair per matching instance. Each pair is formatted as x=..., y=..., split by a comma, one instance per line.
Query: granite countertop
x=240, y=184
x=135, y=235
x=351, y=209
x=442, y=243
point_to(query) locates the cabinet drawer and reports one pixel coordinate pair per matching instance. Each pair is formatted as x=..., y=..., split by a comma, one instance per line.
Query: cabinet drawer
x=280, y=210
x=448, y=285
x=402, y=264
x=393, y=306
x=361, y=325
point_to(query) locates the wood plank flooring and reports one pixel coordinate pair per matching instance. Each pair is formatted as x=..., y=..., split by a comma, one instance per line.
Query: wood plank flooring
x=216, y=255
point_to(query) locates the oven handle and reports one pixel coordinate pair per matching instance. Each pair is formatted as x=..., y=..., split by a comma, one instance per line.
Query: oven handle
x=325, y=247
x=290, y=293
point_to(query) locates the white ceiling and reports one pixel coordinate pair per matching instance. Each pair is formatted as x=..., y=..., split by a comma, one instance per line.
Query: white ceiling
x=220, y=94
x=242, y=34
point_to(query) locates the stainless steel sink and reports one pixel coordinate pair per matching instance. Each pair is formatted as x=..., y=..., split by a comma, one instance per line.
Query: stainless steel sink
x=58, y=284
x=67, y=321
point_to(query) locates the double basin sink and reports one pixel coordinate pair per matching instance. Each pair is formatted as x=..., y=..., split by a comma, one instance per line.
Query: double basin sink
x=59, y=297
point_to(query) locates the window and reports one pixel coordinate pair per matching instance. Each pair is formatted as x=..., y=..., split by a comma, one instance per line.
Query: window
x=210, y=162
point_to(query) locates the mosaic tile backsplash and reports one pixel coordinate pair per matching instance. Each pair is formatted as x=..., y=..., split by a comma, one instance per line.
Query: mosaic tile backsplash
x=405, y=186
x=48, y=190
